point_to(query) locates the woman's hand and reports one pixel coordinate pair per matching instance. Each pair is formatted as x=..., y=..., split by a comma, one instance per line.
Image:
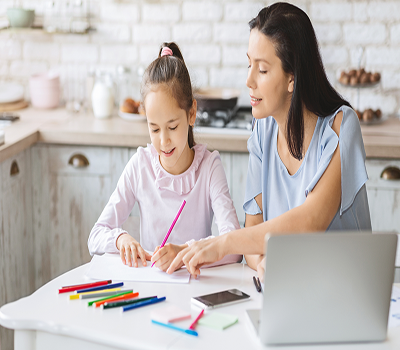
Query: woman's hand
x=164, y=256
x=130, y=249
x=198, y=254
x=261, y=269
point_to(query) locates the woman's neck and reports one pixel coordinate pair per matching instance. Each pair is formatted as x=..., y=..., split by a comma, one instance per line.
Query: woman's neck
x=309, y=122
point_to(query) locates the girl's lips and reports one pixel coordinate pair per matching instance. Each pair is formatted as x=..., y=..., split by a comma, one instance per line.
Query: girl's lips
x=170, y=153
x=254, y=101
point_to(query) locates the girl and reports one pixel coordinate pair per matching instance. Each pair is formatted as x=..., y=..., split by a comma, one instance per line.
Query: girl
x=307, y=160
x=164, y=173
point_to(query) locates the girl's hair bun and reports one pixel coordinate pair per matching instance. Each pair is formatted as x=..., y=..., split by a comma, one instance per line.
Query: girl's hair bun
x=176, y=52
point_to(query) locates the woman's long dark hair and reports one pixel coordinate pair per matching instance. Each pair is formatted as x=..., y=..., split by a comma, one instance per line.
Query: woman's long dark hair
x=293, y=36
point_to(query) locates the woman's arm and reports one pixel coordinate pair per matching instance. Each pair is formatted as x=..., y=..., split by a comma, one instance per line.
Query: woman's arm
x=252, y=220
x=315, y=214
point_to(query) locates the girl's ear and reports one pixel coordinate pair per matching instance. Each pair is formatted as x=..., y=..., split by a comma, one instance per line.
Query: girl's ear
x=291, y=83
x=192, y=113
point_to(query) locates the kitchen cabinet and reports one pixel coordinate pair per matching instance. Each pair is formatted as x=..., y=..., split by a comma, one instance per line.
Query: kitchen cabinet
x=235, y=166
x=16, y=234
x=384, y=200
x=72, y=184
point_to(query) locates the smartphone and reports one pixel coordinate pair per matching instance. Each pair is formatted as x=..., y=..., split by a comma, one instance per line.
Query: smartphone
x=226, y=297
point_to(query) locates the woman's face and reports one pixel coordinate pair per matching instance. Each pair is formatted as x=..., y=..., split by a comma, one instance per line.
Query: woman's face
x=168, y=127
x=270, y=87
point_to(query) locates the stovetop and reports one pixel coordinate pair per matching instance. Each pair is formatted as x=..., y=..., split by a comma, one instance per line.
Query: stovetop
x=239, y=118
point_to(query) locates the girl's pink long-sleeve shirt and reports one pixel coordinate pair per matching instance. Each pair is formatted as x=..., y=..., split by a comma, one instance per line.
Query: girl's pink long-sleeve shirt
x=160, y=195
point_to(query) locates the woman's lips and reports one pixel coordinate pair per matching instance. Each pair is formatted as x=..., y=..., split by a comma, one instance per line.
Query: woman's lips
x=254, y=101
x=169, y=153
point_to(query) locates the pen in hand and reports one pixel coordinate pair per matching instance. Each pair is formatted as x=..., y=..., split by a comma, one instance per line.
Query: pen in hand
x=257, y=283
x=172, y=226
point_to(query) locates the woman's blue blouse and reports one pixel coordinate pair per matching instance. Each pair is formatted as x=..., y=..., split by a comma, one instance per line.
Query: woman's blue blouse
x=281, y=191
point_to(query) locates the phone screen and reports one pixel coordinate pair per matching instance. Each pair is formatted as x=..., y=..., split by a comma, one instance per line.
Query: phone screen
x=224, y=297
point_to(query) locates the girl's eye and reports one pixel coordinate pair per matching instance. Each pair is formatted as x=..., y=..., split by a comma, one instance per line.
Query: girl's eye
x=174, y=128
x=263, y=71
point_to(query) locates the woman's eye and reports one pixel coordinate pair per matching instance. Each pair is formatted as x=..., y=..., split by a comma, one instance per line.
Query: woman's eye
x=154, y=130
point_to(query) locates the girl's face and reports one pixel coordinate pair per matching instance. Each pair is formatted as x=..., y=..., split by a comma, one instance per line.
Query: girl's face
x=168, y=127
x=270, y=87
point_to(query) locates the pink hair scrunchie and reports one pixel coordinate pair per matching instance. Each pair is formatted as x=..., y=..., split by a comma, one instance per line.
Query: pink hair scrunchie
x=166, y=51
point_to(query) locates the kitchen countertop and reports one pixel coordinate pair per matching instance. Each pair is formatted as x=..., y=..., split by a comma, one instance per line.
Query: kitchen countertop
x=60, y=127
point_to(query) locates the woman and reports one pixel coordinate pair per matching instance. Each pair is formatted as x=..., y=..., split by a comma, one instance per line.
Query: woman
x=307, y=160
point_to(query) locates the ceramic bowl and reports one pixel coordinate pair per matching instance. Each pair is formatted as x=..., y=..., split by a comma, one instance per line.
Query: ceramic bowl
x=20, y=18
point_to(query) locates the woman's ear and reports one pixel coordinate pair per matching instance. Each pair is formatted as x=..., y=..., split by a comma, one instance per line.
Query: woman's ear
x=192, y=113
x=291, y=83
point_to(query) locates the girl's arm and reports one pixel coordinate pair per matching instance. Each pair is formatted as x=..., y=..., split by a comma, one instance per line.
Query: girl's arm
x=315, y=214
x=107, y=229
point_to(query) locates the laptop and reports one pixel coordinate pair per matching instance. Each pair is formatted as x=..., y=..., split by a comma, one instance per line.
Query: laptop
x=326, y=288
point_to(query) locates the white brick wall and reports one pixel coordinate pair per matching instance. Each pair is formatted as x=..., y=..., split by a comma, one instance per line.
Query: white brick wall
x=213, y=36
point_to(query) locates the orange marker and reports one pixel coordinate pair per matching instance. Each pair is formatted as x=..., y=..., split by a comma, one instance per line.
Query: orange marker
x=122, y=297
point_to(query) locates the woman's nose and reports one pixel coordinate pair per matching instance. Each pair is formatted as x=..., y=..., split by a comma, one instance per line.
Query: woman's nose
x=250, y=83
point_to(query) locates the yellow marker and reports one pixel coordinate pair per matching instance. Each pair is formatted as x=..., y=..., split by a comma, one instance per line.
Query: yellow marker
x=94, y=294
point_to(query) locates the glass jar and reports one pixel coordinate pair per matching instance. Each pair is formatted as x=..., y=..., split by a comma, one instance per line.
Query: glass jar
x=103, y=96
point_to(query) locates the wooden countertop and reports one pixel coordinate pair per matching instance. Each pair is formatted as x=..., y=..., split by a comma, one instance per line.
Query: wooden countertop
x=60, y=127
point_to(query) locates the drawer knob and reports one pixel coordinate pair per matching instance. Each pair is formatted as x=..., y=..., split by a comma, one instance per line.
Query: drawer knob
x=390, y=173
x=78, y=161
x=14, y=170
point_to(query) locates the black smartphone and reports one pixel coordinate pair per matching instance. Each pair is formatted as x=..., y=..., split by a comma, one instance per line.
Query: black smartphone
x=223, y=298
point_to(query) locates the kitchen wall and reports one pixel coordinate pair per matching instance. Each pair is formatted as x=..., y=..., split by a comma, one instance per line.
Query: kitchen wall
x=213, y=37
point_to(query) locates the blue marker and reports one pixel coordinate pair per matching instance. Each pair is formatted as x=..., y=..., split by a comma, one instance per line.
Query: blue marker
x=108, y=286
x=143, y=303
x=169, y=325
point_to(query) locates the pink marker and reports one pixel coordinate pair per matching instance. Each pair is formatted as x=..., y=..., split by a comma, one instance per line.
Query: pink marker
x=197, y=318
x=172, y=226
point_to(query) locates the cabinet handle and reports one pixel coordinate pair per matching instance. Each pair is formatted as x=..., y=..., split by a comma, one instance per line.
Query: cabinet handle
x=78, y=161
x=390, y=173
x=14, y=168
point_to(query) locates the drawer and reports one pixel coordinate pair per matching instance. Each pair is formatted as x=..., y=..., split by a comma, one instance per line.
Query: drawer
x=80, y=160
x=375, y=168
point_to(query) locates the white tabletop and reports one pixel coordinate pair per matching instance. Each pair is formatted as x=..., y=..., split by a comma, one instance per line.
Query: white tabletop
x=48, y=313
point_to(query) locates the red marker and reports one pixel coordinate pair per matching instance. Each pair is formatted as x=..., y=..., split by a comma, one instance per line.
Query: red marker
x=67, y=289
x=197, y=318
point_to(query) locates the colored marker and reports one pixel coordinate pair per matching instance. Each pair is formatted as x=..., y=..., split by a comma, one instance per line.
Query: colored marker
x=111, y=305
x=172, y=226
x=67, y=289
x=108, y=286
x=143, y=303
x=90, y=303
x=95, y=294
x=170, y=325
x=121, y=297
x=197, y=318
x=257, y=283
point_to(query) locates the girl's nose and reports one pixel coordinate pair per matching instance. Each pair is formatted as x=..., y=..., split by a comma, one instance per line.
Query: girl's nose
x=165, y=138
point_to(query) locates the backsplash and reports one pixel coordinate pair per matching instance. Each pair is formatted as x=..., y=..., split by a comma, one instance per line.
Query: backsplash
x=213, y=37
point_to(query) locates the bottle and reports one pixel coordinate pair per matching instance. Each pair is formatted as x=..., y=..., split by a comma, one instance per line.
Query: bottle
x=103, y=96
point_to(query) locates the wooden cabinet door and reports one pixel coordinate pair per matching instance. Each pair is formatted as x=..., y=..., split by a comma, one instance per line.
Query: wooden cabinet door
x=384, y=198
x=17, y=277
x=72, y=184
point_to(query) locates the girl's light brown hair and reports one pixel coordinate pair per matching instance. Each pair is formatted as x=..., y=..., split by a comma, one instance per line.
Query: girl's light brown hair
x=171, y=71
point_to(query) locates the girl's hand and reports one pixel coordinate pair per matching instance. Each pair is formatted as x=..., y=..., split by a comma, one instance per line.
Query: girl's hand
x=260, y=269
x=164, y=256
x=130, y=250
x=198, y=254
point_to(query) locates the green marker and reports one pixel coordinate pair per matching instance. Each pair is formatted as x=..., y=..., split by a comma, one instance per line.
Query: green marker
x=90, y=303
x=125, y=302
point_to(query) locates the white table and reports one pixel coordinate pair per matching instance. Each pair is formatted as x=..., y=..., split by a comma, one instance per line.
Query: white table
x=48, y=320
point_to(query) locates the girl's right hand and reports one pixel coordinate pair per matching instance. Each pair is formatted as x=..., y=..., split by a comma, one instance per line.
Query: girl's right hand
x=130, y=250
